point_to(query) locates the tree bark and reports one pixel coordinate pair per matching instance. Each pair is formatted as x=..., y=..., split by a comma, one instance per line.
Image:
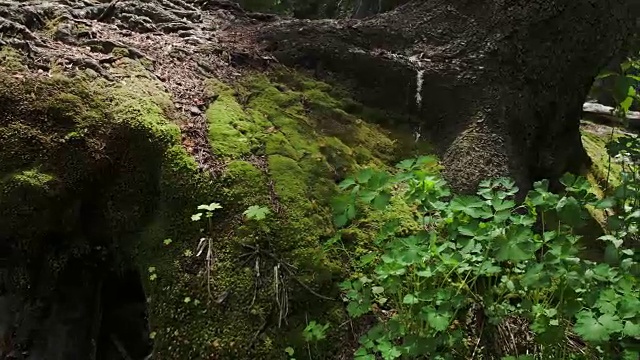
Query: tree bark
x=498, y=85
x=365, y=8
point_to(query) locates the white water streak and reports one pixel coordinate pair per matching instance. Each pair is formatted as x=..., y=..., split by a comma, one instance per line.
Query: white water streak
x=419, y=83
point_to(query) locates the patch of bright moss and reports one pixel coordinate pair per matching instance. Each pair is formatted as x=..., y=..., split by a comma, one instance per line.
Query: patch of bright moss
x=11, y=60
x=288, y=140
x=232, y=132
x=120, y=52
x=33, y=178
x=237, y=176
x=603, y=175
x=602, y=170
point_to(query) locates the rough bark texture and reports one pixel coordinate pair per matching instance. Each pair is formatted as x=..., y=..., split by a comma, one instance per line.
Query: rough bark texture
x=502, y=82
x=366, y=8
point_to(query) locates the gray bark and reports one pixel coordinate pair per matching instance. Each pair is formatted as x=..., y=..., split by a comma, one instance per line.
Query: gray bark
x=366, y=8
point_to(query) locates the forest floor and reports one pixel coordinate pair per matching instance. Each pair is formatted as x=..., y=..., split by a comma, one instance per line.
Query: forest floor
x=180, y=44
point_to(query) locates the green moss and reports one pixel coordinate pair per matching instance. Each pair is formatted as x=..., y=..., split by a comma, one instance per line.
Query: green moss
x=24, y=199
x=245, y=185
x=277, y=144
x=33, y=178
x=290, y=179
x=120, y=52
x=11, y=60
x=288, y=141
x=602, y=169
x=79, y=28
x=94, y=163
x=107, y=152
x=232, y=132
x=604, y=175
x=51, y=26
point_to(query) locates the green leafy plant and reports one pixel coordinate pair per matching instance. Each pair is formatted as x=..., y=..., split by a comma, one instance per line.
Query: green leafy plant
x=625, y=83
x=257, y=212
x=625, y=197
x=289, y=350
x=487, y=257
x=206, y=211
x=152, y=273
x=314, y=331
x=205, y=244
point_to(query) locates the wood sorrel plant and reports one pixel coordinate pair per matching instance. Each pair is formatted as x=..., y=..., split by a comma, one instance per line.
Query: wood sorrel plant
x=490, y=253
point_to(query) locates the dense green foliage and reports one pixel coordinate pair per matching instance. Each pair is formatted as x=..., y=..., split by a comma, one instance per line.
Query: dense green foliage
x=486, y=256
x=477, y=263
x=621, y=86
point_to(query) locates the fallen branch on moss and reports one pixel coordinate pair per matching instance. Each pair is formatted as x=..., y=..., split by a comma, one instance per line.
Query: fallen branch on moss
x=286, y=266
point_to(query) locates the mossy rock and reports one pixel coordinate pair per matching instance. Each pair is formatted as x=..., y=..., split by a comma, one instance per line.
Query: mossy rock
x=595, y=143
x=87, y=164
x=91, y=170
x=604, y=174
x=287, y=142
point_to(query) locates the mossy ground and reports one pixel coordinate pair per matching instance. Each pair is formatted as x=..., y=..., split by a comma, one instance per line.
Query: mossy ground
x=602, y=170
x=604, y=175
x=99, y=165
x=287, y=141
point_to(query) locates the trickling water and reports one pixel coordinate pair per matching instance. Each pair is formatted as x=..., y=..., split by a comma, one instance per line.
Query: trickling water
x=419, y=83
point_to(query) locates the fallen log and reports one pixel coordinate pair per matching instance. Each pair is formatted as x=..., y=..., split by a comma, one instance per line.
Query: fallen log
x=596, y=112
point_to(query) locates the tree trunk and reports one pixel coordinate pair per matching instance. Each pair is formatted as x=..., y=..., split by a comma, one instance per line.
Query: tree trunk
x=498, y=85
x=366, y=8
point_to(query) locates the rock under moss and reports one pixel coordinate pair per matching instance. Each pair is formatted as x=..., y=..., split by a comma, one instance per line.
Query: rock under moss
x=604, y=175
x=98, y=165
x=287, y=141
x=11, y=60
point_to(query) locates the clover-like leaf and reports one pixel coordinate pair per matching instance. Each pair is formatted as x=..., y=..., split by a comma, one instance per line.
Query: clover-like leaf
x=439, y=320
x=472, y=206
x=406, y=164
x=590, y=329
x=256, y=212
x=362, y=354
x=388, y=350
x=614, y=240
x=381, y=201
x=632, y=329
x=210, y=207
x=410, y=299
x=346, y=183
x=606, y=203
